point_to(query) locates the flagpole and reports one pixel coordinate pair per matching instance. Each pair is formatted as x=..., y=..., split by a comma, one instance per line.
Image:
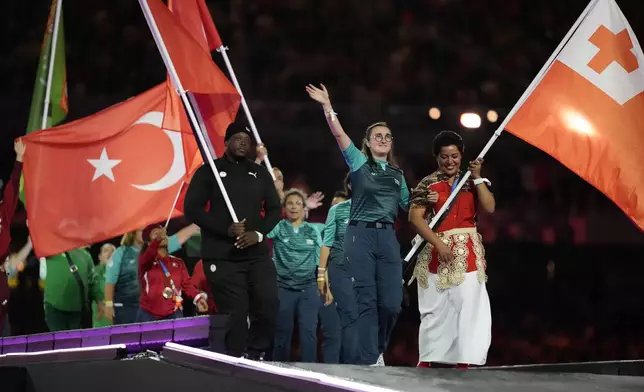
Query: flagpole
x=154, y=29
x=418, y=241
x=222, y=49
x=212, y=151
x=193, y=101
x=52, y=57
x=174, y=204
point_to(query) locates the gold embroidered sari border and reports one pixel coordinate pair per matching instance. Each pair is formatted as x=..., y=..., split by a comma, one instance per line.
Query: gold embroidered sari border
x=453, y=273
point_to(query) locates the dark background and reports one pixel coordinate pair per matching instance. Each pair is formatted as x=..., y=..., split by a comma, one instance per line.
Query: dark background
x=565, y=265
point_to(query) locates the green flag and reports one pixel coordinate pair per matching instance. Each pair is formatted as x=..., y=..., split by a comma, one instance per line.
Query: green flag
x=58, y=93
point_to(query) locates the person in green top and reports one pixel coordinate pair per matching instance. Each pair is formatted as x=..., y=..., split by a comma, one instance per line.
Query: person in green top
x=338, y=278
x=107, y=250
x=296, y=251
x=67, y=304
x=371, y=251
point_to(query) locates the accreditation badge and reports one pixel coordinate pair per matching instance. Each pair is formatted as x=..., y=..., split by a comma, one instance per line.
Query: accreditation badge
x=167, y=293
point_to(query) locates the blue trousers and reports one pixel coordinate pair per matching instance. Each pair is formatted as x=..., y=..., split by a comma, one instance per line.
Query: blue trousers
x=143, y=317
x=341, y=284
x=373, y=256
x=5, y=328
x=331, y=332
x=126, y=314
x=306, y=305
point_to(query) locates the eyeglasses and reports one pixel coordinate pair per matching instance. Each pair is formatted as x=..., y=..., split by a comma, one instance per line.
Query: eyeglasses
x=379, y=137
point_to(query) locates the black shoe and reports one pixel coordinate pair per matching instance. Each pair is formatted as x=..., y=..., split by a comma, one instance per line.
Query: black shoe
x=255, y=356
x=236, y=354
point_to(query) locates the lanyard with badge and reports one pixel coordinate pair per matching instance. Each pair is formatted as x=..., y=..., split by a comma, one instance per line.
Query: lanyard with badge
x=171, y=292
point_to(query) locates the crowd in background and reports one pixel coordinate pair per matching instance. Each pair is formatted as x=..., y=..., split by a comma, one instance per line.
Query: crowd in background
x=563, y=261
x=415, y=52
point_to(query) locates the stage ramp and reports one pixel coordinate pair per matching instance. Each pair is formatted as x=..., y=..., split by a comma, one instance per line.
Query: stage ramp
x=183, y=368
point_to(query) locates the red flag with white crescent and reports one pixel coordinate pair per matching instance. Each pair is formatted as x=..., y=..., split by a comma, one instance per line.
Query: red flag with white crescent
x=106, y=174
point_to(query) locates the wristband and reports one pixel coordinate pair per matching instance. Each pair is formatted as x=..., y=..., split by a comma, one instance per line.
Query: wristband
x=331, y=114
x=260, y=237
x=199, y=297
x=480, y=181
x=109, y=304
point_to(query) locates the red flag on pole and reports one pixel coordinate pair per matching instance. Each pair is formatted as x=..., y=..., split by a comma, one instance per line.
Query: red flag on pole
x=195, y=17
x=217, y=98
x=588, y=110
x=106, y=174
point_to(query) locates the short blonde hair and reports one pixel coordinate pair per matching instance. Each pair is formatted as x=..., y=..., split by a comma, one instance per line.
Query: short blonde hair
x=296, y=192
x=109, y=245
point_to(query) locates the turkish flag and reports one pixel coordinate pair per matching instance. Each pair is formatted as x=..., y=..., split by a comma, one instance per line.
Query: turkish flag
x=588, y=110
x=104, y=175
x=216, y=97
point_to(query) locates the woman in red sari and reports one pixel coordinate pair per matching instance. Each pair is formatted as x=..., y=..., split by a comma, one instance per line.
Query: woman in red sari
x=454, y=307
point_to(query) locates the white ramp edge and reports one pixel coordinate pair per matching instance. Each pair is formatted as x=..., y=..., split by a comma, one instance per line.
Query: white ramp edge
x=299, y=374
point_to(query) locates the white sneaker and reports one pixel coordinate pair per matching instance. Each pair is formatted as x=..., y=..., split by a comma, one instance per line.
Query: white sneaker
x=380, y=362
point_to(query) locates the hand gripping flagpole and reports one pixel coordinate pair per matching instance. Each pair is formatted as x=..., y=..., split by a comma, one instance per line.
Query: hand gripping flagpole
x=184, y=97
x=222, y=49
x=418, y=241
x=52, y=58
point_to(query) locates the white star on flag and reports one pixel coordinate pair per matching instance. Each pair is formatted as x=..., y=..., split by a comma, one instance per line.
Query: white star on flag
x=104, y=166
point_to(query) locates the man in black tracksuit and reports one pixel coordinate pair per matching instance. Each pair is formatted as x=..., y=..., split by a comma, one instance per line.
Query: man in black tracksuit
x=236, y=258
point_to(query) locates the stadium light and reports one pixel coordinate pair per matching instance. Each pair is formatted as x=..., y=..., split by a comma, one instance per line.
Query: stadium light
x=434, y=113
x=470, y=120
x=492, y=116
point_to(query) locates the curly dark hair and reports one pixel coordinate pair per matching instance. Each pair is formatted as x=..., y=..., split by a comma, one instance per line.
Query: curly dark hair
x=447, y=138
